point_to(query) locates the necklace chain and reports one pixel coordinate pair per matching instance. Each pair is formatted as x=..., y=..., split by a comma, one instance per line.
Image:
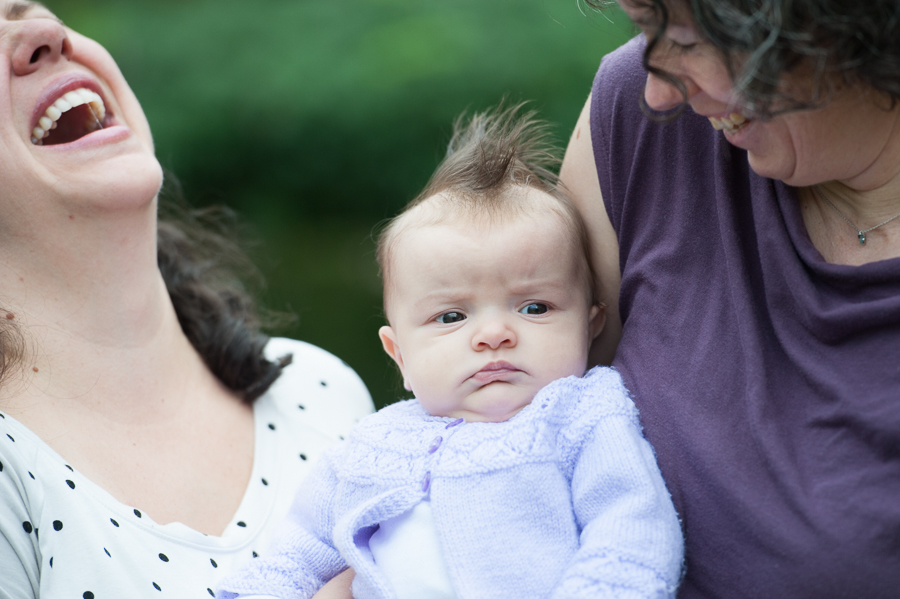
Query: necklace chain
x=860, y=233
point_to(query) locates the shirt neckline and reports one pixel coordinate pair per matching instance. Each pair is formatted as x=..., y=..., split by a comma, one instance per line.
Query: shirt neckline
x=252, y=506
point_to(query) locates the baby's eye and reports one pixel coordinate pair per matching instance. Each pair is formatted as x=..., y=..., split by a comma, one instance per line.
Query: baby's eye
x=451, y=317
x=534, y=309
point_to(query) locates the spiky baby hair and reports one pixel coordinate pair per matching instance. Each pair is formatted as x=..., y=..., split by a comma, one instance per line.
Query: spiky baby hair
x=490, y=155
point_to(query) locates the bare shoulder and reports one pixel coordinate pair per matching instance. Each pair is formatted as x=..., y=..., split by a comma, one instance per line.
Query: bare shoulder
x=579, y=177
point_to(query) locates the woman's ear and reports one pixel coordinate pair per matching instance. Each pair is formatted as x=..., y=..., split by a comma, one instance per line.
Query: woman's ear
x=392, y=348
x=596, y=319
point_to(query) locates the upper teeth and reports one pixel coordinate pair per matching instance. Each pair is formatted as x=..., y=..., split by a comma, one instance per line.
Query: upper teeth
x=730, y=123
x=64, y=103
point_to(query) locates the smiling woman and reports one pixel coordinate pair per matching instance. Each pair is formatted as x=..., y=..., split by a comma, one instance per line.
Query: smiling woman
x=146, y=441
x=749, y=250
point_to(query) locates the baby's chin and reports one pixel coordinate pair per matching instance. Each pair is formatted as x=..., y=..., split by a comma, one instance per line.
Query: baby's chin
x=485, y=415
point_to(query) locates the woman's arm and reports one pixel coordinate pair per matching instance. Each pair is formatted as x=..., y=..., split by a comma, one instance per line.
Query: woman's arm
x=579, y=176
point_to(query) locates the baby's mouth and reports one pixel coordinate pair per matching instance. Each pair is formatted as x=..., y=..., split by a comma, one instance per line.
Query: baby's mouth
x=72, y=116
x=730, y=124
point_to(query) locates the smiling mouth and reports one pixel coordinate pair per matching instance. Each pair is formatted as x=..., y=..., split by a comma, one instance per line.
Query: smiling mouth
x=730, y=124
x=72, y=116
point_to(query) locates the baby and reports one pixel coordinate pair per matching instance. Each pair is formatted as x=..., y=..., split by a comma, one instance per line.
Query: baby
x=512, y=473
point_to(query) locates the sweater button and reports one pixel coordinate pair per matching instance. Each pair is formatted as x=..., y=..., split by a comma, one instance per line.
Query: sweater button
x=426, y=482
x=455, y=422
x=435, y=444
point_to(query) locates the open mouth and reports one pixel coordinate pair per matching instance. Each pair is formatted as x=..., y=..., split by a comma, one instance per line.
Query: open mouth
x=72, y=116
x=730, y=124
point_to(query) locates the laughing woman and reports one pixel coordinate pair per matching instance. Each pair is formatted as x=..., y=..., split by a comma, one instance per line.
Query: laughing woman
x=150, y=436
x=751, y=245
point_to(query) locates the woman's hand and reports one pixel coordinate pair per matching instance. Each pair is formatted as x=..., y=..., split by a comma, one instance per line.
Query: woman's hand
x=338, y=587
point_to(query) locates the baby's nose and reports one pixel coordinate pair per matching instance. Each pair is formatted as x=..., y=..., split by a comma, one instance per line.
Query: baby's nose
x=494, y=333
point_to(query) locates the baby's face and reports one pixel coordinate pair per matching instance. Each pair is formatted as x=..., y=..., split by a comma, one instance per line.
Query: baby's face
x=485, y=315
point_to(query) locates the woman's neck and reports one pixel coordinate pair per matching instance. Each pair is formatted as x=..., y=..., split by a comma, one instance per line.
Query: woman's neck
x=86, y=295
x=850, y=220
x=852, y=226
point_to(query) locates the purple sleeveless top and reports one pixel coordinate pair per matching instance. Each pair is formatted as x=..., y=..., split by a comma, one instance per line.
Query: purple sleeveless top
x=768, y=380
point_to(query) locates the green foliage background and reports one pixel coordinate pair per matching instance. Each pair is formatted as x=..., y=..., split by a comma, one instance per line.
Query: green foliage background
x=316, y=119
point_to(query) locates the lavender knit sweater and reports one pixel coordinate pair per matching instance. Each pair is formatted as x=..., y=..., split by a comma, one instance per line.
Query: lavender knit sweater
x=563, y=500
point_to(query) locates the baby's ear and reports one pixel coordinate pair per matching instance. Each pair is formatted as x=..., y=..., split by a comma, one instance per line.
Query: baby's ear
x=392, y=348
x=596, y=319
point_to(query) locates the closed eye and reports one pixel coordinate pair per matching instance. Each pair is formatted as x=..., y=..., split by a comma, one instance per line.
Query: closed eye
x=534, y=309
x=683, y=48
x=450, y=317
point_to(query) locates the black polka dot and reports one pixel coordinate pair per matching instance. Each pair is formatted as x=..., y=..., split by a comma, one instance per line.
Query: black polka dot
x=31, y=475
x=242, y=524
x=88, y=595
x=1, y=466
x=51, y=562
x=301, y=406
x=271, y=427
x=156, y=586
x=210, y=591
x=70, y=483
x=116, y=524
x=57, y=525
x=323, y=383
x=303, y=456
x=106, y=552
x=2, y=416
x=163, y=557
x=137, y=512
x=213, y=562
x=70, y=468
x=265, y=482
x=255, y=554
x=10, y=437
x=341, y=437
x=27, y=526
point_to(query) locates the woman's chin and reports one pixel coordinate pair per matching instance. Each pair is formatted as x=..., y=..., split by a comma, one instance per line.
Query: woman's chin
x=129, y=182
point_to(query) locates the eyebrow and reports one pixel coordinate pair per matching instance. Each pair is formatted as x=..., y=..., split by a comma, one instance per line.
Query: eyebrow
x=16, y=10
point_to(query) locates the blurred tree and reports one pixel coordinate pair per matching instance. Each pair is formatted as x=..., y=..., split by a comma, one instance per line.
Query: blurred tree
x=316, y=119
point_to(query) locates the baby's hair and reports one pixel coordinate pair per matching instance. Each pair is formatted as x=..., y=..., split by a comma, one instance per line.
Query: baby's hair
x=489, y=154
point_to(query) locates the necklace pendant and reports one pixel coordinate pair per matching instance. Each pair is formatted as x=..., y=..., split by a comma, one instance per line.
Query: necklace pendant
x=862, y=238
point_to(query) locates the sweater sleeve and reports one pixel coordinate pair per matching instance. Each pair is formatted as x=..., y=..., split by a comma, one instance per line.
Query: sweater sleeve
x=303, y=557
x=631, y=544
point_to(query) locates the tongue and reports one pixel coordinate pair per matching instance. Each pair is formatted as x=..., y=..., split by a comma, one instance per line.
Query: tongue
x=72, y=125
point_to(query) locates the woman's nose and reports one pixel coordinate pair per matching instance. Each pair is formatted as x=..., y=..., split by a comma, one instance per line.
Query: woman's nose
x=36, y=43
x=494, y=333
x=661, y=95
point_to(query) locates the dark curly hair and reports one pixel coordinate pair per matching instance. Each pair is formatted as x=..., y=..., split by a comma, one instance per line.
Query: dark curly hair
x=210, y=281
x=833, y=41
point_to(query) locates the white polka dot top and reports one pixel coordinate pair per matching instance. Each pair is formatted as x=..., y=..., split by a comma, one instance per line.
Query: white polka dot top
x=61, y=536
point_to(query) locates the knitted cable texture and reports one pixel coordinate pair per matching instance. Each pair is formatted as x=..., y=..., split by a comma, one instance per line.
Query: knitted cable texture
x=563, y=500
